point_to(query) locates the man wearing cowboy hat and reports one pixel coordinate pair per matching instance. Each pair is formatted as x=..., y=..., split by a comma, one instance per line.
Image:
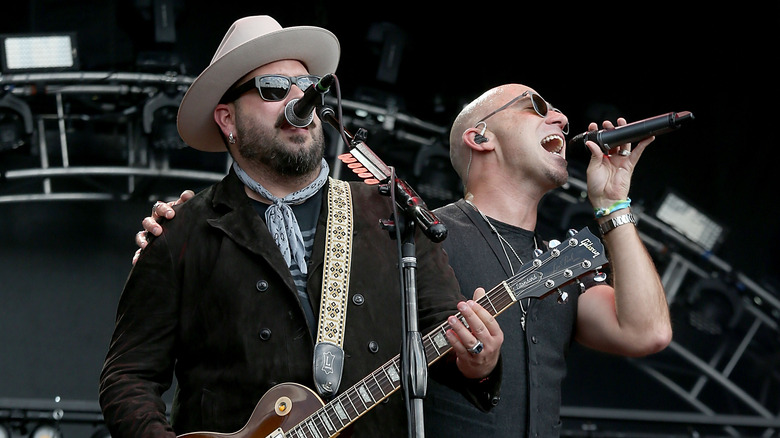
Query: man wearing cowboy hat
x=228, y=298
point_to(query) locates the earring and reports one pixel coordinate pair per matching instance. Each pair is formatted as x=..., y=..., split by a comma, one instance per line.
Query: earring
x=480, y=138
x=231, y=139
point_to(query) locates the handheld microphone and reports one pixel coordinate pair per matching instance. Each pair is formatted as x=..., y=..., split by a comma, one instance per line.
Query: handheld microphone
x=639, y=130
x=300, y=112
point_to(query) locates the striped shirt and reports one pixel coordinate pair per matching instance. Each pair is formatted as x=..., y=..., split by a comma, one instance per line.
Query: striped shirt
x=307, y=215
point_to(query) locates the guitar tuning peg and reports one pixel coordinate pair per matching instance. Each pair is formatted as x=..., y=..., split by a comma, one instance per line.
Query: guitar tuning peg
x=572, y=232
x=563, y=297
x=600, y=277
x=553, y=243
x=538, y=252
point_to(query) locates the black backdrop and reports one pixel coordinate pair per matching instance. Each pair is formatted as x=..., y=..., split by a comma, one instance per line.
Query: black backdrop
x=62, y=264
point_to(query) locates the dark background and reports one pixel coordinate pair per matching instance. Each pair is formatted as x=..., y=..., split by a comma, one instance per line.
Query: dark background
x=62, y=264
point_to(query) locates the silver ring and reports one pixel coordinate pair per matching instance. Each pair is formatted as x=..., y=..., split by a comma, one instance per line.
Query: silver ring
x=624, y=152
x=477, y=348
x=157, y=204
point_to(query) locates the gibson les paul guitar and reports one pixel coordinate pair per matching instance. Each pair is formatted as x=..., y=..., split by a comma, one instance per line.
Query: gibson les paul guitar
x=291, y=410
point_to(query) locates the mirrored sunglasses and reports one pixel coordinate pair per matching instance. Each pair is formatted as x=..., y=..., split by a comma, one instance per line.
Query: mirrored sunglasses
x=272, y=88
x=541, y=107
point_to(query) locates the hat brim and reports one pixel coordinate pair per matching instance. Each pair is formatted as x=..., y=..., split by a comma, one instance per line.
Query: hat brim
x=318, y=49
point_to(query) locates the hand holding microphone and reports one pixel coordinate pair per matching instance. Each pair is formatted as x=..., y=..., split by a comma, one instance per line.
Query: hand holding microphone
x=607, y=139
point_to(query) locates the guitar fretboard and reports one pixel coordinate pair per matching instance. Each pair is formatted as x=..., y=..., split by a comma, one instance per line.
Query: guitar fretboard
x=535, y=281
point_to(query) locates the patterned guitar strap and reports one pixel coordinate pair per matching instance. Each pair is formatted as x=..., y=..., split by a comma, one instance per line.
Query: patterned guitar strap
x=329, y=352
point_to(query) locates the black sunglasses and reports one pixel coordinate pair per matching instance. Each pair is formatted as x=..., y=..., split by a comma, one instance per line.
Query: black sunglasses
x=272, y=88
x=540, y=106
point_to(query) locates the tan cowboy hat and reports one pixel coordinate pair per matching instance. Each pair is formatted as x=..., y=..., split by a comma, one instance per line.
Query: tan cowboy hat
x=250, y=42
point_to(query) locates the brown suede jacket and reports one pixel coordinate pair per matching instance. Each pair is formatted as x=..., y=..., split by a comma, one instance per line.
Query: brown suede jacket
x=212, y=303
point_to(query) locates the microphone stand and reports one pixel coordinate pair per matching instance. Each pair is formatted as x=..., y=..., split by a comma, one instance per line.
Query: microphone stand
x=414, y=364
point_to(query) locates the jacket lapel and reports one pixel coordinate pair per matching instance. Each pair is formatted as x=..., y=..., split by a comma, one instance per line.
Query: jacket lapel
x=241, y=223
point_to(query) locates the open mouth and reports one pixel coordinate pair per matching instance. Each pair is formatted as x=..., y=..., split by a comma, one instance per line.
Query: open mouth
x=553, y=144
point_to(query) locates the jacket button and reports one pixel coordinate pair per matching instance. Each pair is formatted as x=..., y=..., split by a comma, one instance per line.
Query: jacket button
x=373, y=346
x=494, y=400
x=265, y=334
x=358, y=299
x=262, y=285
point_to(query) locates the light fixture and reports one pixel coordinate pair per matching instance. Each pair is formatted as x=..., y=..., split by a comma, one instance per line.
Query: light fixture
x=46, y=430
x=39, y=52
x=715, y=307
x=690, y=222
x=16, y=123
x=159, y=121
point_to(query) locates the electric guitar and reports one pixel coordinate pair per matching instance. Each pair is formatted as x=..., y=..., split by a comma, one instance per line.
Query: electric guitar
x=291, y=410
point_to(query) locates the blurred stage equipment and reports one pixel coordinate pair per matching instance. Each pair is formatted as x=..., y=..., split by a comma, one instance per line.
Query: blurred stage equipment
x=16, y=123
x=38, y=53
x=159, y=121
x=46, y=430
x=46, y=418
x=99, y=136
x=689, y=221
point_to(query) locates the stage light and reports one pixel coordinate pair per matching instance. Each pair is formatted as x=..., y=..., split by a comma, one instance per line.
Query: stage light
x=16, y=124
x=690, y=222
x=43, y=52
x=714, y=306
x=159, y=121
x=46, y=430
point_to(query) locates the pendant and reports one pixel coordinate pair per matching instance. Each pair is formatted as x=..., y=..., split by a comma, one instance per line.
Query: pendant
x=522, y=322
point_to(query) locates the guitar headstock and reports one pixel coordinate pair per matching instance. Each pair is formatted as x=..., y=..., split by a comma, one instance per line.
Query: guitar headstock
x=580, y=253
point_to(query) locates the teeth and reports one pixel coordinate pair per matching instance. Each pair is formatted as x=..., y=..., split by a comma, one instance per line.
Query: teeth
x=553, y=143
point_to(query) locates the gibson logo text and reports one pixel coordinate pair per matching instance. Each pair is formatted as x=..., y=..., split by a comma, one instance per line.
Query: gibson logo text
x=587, y=243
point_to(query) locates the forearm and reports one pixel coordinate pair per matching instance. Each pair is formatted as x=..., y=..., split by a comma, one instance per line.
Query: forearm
x=640, y=303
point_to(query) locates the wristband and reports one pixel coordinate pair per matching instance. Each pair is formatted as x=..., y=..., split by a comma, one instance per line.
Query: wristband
x=618, y=205
x=615, y=222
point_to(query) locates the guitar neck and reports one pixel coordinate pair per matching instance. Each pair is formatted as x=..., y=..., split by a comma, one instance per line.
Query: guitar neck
x=535, y=281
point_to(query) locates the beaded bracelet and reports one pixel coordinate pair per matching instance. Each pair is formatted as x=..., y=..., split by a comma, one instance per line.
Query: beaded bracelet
x=618, y=205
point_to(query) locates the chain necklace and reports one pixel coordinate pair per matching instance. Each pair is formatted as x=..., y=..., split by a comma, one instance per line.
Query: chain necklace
x=504, y=243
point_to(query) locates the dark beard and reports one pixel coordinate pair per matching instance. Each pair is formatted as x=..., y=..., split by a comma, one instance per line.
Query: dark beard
x=270, y=150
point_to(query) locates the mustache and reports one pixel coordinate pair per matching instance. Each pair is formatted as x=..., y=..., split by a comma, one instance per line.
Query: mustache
x=281, y=121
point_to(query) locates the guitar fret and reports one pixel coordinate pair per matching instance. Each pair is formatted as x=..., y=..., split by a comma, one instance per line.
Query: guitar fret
x=350, y=408
x=327, y=423
x=341, y=412
x=333, y=416
x=314, y=429
x=492, y=308
x=378, y=385
x=362, y=395
x=393, y=372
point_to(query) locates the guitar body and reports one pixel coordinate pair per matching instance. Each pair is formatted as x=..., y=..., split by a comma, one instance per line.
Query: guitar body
x=281, y=408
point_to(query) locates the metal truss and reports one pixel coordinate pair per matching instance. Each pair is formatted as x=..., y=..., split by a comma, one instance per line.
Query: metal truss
x=723, y=361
